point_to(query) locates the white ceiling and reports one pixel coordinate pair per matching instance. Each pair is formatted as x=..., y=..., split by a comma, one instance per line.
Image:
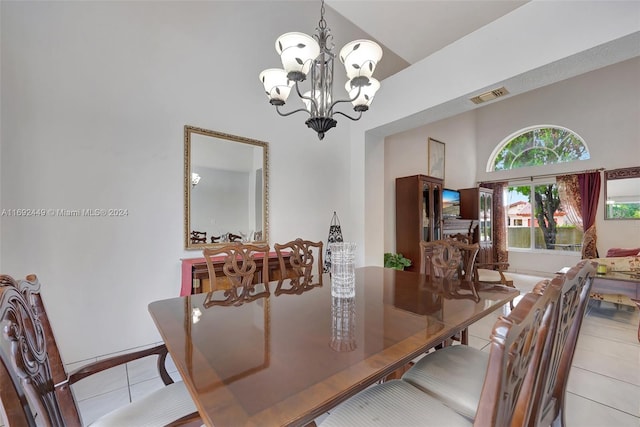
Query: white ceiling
x=414, y=29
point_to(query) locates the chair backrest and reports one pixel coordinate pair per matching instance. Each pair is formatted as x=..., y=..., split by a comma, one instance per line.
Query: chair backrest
x=439, y=259
x=469, y=252
x=516, y=355
x=34, y=380
x=198, y=237
x=239, y=266
x=298, y=266
x=448, y=259
x=462, y=238
x=574, y=298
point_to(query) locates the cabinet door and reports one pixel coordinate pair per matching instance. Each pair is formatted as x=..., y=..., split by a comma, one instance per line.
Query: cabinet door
x=437, y=212
x=484, y=216
x=426, y=211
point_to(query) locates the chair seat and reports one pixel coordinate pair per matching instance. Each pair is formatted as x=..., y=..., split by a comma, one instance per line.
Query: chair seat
x=159, y=408
x=393, y=403
x=490, y=276
x=454, y=375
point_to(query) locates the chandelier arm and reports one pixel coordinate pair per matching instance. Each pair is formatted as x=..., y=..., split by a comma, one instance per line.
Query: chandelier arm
x=348, y=116
x=290, y=112
x=333, y=104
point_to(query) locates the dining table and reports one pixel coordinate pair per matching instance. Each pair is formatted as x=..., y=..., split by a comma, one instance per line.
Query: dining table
x=285, y=359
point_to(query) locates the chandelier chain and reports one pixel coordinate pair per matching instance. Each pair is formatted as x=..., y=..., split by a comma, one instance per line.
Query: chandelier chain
x=322, y=23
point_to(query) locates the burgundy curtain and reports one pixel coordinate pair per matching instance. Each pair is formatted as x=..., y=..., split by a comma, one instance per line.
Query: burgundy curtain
x=498, y=228
x=590, y=193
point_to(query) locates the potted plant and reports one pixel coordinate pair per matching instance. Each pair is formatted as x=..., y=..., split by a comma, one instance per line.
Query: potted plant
x=396, y=261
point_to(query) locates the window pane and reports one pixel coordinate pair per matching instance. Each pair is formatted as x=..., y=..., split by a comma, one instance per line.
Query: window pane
x=518, y=217
x=537, y=210
x=540, y=146
x=545, y=208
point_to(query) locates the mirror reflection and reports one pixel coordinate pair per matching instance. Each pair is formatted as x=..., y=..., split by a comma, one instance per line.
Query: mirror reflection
x=225, y=189
x=622, y=192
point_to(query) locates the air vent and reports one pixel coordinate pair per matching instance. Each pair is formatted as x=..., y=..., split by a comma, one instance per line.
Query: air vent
x=489, y=96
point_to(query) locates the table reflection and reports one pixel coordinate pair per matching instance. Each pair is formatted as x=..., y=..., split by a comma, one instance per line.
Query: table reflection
x=343, y=324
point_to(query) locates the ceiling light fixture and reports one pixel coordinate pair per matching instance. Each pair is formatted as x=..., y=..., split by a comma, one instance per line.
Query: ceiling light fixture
x=303, y=56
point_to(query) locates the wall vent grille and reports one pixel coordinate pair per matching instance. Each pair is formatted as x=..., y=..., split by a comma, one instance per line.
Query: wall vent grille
x=489, y=96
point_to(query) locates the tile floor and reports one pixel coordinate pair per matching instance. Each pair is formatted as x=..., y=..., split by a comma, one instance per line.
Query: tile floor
x=603, y=390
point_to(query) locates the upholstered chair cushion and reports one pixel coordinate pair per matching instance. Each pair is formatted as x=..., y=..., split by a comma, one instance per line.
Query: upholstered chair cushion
x=393, y=403
x=454, y=375
x=489, y=276
x=156, y=409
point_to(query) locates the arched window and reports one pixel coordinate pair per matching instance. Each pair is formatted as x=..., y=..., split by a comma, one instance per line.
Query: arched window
x=537, y=218
x=536, y=146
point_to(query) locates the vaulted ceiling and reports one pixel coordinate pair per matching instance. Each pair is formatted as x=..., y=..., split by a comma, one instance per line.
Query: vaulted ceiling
x=412, y=31
x=415, y=29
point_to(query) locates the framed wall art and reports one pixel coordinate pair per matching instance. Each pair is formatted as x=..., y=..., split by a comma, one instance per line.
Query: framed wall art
x=436, y=158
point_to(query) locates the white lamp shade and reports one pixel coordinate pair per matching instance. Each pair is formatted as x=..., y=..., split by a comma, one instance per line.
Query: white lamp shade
x=367, y=92
x=276, y=84
x=360, y=57
x=297, y=51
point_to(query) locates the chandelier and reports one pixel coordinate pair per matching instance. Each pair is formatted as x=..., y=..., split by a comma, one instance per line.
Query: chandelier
x=305, y=56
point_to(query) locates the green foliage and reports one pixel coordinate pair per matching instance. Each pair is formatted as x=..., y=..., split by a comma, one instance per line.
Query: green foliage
x=546, y=201
x=623, y=210
x=396, y=261
x=541, y=146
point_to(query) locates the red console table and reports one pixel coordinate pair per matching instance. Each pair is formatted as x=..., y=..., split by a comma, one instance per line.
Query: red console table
x=194, y=270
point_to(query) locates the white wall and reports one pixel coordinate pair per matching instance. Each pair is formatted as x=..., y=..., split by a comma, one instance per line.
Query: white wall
x=94, y=99
x=406, y=154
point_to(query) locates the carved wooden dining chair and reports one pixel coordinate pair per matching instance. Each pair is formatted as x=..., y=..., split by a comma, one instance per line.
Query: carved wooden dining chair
x=242, y=281
x=36, y=389
x=486, y=271
x=439, y=259
x=550, y=396
x=298, y=266
x=469, y=253
x=454, y=260
x=198, y=237
x=455, y=375
x=516, y=354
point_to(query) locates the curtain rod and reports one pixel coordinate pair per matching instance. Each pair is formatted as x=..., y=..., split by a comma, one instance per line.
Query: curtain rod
x=532, y=177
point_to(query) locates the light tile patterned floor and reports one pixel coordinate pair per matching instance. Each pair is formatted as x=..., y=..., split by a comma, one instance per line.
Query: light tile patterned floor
x=603, y=390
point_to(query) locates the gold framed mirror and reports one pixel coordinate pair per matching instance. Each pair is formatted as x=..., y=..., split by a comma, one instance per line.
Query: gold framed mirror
x=622, y=193
x=226, y=189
